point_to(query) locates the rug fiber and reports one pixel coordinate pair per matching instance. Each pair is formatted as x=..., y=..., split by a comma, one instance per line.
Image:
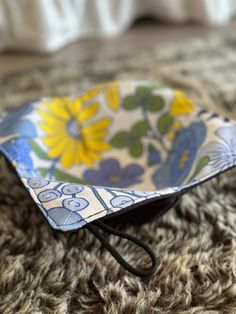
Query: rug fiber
x=44, y=271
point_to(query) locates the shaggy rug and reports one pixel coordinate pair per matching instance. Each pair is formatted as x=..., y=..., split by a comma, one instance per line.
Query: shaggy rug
x=44, y=271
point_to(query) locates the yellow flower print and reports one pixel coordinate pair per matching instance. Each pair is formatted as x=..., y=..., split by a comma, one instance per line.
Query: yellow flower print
x=91, y=93
x=70, y=136
x=181, y=104
x=112, y=95
x=175, y=127
x=110, y=91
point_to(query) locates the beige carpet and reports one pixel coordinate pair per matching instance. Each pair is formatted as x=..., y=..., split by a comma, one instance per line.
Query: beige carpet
x=43, y=271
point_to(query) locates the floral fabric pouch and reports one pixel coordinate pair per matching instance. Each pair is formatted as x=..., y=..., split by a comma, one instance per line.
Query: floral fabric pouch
x=124, y=147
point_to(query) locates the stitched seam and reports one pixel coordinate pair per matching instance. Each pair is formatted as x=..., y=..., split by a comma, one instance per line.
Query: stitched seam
x=135, y=198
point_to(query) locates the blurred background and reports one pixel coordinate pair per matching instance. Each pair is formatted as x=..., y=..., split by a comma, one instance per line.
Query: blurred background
x=48, y=25
x=45, y=27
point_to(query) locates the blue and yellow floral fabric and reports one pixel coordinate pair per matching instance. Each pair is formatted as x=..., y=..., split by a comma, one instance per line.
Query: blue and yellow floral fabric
x=116, y=145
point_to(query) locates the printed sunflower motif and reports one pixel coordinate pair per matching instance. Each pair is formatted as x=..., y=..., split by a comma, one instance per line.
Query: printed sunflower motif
x=70, y=136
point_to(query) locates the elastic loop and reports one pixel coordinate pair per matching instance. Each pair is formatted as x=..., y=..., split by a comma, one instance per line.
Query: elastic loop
x=93, y=228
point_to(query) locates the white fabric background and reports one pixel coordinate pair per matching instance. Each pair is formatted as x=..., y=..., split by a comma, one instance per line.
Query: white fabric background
x=47, y=25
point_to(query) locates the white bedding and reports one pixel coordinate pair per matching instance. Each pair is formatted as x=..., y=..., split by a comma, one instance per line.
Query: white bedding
x=48, y=25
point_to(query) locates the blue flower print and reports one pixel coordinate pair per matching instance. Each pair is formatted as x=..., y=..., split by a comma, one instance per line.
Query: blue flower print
x=181, y=157
x=14, y=123
x=110, y=173
x=26, y=171
x=221, y=154
x=18, y=151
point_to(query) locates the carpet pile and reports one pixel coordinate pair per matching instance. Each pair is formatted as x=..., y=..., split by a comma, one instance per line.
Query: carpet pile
x=44, y=271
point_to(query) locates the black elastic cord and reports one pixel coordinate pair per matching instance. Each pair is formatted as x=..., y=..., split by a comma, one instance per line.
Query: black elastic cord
x=93, y=228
